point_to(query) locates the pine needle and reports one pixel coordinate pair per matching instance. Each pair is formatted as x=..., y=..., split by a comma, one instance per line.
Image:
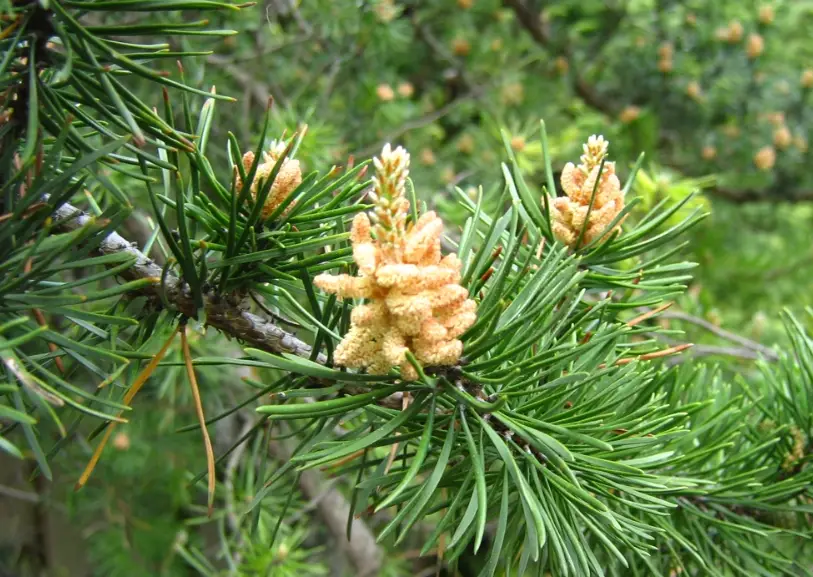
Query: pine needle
x=128, y=397
x=51, y=346
x=394, y=448
x=332, y=467
x=656, y=355
x=207, y=442
x=10, y=28
x=648, y=314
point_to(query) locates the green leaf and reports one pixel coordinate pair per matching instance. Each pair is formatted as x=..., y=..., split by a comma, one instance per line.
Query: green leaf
x=32, y=130
x=478, y=465
x=10, y=448
x=499, y=537
x=150, y=5
x=322, y=457
x=324, y=408
x=519, y=190
x=16, y=416
x=529, y=502
x=417, y=505
x=417, y=460
x=301, y=366
x=124, y=111
x=33, y=442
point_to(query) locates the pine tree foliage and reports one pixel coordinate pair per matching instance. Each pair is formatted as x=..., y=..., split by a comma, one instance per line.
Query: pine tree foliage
x=710, y=87
x=559, y=442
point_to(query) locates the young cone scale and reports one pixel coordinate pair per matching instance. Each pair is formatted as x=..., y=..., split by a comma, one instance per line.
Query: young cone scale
x=414, y=300
x=288, y=177
x=573, y=213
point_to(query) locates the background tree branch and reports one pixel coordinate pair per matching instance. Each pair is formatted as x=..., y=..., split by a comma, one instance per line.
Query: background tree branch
x=530, y=20
x=362, y=549
x=752, y=195
x=754, y=349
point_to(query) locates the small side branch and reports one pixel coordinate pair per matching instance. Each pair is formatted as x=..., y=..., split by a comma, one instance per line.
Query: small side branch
x=530, y=21
x=747, y=345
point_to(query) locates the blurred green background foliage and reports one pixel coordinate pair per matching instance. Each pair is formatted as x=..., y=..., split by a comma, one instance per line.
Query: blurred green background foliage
x=716, y=95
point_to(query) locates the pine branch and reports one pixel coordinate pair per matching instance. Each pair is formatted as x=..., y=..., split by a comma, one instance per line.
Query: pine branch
x=225, y=313
x=529, y=19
